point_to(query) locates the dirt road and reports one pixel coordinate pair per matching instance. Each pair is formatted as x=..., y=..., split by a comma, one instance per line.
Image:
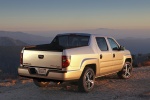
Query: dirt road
x=106, y=88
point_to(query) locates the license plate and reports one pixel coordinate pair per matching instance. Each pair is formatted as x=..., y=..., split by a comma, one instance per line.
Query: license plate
x=42, y=71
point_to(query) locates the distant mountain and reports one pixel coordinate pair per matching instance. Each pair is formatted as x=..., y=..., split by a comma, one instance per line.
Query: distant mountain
x=136, y=45
x=116, y=33
x=135, y=40
x=6, y=41
x=25, y=37
x=120, y=33
x=10, y=59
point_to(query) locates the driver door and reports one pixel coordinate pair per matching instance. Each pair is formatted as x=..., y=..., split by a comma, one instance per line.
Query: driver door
x=117, y=54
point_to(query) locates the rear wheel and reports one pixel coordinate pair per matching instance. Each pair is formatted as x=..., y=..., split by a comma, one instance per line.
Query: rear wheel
x=40, y=83
x=86, y=82
x=125, y=73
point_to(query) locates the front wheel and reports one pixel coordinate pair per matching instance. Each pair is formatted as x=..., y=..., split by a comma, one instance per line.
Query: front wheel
x=86, y=82
x=125, y=73
x=40, y=83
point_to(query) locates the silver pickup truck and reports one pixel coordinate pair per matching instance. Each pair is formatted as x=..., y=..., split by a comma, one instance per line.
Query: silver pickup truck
x=75, y=56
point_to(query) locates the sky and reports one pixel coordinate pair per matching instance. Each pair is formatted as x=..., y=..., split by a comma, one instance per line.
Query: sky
x=56, y=15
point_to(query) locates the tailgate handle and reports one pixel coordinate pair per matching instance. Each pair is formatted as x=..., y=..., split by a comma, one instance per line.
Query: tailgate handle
x=40, y=56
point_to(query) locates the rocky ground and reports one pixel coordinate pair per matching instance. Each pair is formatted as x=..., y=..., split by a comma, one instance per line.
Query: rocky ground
x=106, y=88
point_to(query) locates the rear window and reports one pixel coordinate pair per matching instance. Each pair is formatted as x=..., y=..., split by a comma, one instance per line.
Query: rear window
x=71, y=41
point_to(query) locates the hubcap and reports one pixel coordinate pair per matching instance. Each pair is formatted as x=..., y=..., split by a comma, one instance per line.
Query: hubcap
x=89, y=80
x=127, y=70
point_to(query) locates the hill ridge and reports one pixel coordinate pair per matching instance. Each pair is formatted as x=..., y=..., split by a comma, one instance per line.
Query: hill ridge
x=7, y=41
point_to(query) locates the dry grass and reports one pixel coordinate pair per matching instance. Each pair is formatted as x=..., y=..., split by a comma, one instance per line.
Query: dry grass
x=146, y=63
x=26, y=81
x=11, y=82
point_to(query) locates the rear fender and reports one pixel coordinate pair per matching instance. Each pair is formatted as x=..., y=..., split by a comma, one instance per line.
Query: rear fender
x=89, y=61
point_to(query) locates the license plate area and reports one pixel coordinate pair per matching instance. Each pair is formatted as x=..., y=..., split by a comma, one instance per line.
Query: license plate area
x=42, y=71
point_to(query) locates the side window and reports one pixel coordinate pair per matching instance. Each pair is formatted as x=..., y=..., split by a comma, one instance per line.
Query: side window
x=102, y=44
x=113, y=44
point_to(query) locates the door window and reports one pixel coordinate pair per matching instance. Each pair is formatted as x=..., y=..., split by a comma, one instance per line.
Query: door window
x=113, y=44
x=102, y=44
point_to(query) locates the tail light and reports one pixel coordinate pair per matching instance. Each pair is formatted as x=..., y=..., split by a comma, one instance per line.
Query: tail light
x=65, y=61
x=21, y=58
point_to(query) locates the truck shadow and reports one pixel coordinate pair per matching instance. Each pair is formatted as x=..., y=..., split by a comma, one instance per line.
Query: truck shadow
x=73, y=86
x=65, y=86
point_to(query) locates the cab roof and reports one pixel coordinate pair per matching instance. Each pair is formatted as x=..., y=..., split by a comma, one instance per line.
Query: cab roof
x=85, y=34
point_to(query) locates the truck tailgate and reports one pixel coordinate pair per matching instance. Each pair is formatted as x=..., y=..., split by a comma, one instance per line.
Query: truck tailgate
x=47, y=59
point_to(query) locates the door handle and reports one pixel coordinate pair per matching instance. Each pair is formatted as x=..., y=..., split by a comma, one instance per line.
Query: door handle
x=101, y=56
x=113, y=55
x=40, y=56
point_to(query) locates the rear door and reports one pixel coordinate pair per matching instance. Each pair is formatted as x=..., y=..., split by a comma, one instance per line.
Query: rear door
x=105, y=56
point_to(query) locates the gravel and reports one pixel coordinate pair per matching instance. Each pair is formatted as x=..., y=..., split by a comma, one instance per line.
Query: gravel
x=106, y=88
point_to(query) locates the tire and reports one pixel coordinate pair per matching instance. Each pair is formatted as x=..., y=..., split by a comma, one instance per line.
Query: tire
x=40, y=83
x=125, y=73
x=86, y=81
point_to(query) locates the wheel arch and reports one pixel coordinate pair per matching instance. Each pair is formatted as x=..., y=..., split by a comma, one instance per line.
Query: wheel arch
x=92, y=63
x=128, y=58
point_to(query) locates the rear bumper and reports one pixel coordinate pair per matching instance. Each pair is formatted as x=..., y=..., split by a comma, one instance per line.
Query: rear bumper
x=52, y=75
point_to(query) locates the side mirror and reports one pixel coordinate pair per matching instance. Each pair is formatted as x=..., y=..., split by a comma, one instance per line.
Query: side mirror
x=121, y=48
x=116, y=49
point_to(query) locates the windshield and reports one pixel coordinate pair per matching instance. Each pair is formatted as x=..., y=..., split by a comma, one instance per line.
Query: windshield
x=71, y=41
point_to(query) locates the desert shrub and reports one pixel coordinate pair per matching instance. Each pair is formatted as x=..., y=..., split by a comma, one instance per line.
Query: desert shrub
x=146, y=63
